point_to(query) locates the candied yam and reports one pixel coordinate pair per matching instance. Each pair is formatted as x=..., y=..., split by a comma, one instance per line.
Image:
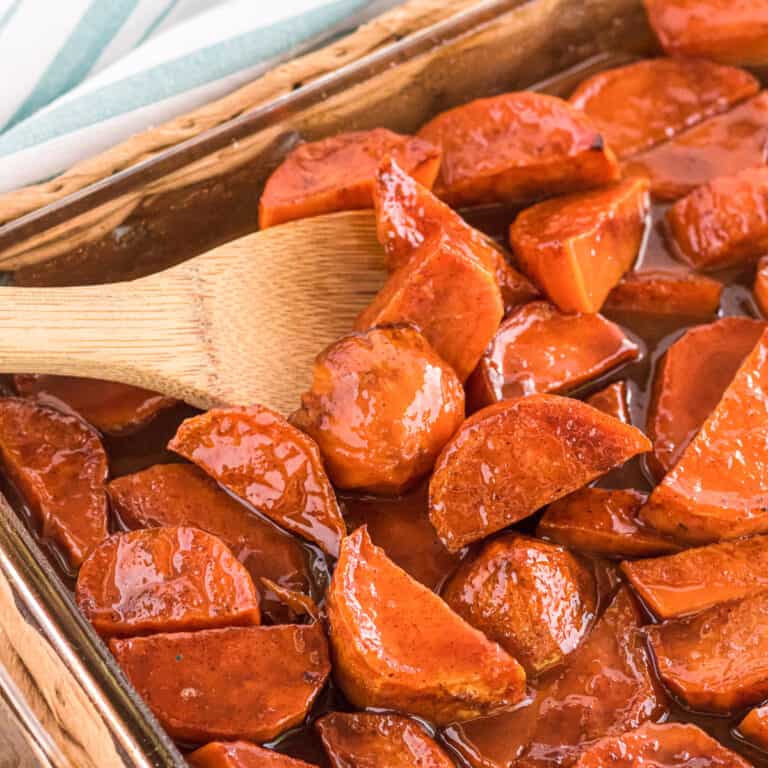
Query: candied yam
x=337, y=174
x=397, y=645
x=717, y=660
x=612, y=400
x=58, y=464
x=690, y=380
x=534, y=599
x=378, y=740
x=719, y=487
x=539, y=349
x=670, y=745
x=182, y=494
x=515, y=148
x=164, y=580
x=249, y=683
x=260, y=457
x=697, y=579
x=730, y=31
x=516, y=288
x=603, y=522
x=723, y=223
x=240, y=754
x=381, y=406
x=754, y=727
x=510, y=459
x=577, y=248
x=720, y=146
x=761, y=285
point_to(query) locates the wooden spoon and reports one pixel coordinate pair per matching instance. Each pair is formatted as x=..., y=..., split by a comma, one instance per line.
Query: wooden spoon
x=238, y=325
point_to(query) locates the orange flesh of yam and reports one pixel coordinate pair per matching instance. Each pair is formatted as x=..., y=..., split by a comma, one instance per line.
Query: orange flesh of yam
x=240, y=754
x=761, y=286
x=613, y=401
x=754, y=727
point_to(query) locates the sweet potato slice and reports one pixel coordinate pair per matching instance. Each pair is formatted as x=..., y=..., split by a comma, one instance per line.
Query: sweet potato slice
x=58, y=464
x=515, y=148
x=666, y=292
x=613, y=401
x=761, y=286
x=730, y=31
x=535, y=599
x=719, y=488
x=697, y=579
x=539, y=349
x=260, y=457
x=510, y=459
x=240, y=754
x=249, y=683
x=717, y=660
x=373, y=740
x=720, y=146
x=604, y=523
x=337, y=173
x=397, y=645
x=723, y=223
x=690, y=380
x=182, y=494
x=381, y=406
x=576, y=248
x=164, y=580
x=754, y=727
x=672, y=745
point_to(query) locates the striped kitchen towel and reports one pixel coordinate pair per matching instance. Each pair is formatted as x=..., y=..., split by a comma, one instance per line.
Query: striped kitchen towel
x=78, y=76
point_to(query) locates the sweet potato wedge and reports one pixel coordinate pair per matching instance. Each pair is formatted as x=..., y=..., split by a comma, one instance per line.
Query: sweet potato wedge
x=539, y=349
x=719, y=488
x=515, y=148
x=672, y=745
x=381, y=406
x=613, y=401
x=249, y=683
x=261, y=458
x=717, y=660
x=754, y=728
x=535, y=599
x=689, y=382
x=721, y=146
x=697, y=579
x=337, y=173
x=760, y=289
x=164, y=580
x=730, y=31
x=378, y=740
x=182, y=494
x=397, y=645
x=510, y=459
x=603, y=522
x=240, y=754
x=647, y=102
x=576, y=248
x=58, y=464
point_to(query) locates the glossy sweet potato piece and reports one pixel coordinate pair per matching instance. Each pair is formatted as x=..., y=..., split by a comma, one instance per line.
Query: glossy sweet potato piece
x=235, y=683
x=336, y=174
x=647, y=102
x=690, y=380
x=240, y=754
x=717, y=660
x=539, y=349
x=723, y=223
x=164, y=580
x=666, y=292
x=720, y=146
x=613, y=401
x=260, y=457
x=730, y=31
x=59, y=466
x=182, y=494
x=533, y=598
x=671, y=745
x=697, y=579
x=381, y=406
x=604, y=523
x=754, y=727
x=397, y=645
x=510, y=459
x=517, y=147
x=719, y=488
x=760, y=289
x=373, y=740
x=576, y=248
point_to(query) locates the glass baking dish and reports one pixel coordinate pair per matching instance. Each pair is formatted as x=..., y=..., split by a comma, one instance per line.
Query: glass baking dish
x=63, y=694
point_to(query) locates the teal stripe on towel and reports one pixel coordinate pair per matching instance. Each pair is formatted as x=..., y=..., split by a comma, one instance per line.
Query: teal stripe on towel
x=8, y=15
x=157, y=22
